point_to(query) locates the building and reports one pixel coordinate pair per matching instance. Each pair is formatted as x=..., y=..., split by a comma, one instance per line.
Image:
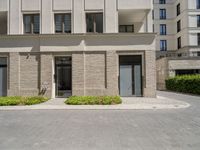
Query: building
x=177, y=23
x=59, y=48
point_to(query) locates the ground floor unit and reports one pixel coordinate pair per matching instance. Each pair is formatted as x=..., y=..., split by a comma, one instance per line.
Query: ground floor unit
x=172, y=66
x=62, y=65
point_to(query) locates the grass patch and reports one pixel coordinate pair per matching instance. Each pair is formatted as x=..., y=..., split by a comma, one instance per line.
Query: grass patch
x=93, y=100
x=19, y=100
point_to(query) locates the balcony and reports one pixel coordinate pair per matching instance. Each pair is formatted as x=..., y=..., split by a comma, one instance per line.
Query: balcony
x=138, y=19
x=134, y=4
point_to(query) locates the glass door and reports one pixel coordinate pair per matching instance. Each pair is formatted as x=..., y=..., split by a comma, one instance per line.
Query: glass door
x=63, y=76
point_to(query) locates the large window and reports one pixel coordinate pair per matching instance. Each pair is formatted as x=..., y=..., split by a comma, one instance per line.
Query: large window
x=179, y=26
x=198, y=39
x=62, y=23
x=198, y=20
x=178, y=9
x=163, y=45
x=94, y=22
x=126, y=28
x=162, y=13
x=179, y=43
x=198, y=4
x=162, y=1
x=163, y=29
x=31, y=24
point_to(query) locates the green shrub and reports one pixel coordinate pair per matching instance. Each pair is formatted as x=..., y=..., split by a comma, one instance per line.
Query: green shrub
x=184, y=84
x=93, y=100
x=19, y=100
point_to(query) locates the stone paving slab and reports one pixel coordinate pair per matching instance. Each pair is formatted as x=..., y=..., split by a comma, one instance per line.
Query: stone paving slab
x=129, y=103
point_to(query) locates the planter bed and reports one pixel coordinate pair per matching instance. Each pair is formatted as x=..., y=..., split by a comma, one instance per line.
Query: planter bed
x=19, y=100
x=93, y=100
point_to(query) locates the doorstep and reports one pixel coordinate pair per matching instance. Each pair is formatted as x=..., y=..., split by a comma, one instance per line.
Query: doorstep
x=130, y=103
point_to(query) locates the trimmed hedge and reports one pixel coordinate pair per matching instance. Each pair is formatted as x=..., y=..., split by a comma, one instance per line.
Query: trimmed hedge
x=184, y=84
x=93, y=100
x=18, y=100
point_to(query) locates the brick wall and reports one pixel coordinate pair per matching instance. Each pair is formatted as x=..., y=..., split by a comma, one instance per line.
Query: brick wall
x=150, y=74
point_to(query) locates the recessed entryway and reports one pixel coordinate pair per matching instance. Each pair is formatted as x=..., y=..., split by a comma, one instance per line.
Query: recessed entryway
x=63, y=76
x=3, y=76
x=130, y=79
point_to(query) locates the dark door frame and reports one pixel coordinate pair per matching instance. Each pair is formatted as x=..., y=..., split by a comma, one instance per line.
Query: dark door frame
x=136, y=63
x=55, y=74
x=5, y=66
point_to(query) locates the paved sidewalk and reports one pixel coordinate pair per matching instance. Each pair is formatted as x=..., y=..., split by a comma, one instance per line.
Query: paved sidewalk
x=129, y=103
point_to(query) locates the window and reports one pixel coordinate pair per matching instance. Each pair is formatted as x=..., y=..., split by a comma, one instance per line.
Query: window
x=31, y=24
x=179, y=43
x=163, y=29
x=126, y=28
x=179, y=26
x=94, y=22
x=162, y=13
x=198, y=20
x=162, y=1
x=178, y=9
x=198, y=39
x=198, y=4
x=62, y=23
x=163, y=45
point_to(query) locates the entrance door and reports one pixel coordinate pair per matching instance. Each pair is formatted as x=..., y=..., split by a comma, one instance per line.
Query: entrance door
x=63, y=76
x=130, y=79
x=3, y=76
x=126, y=80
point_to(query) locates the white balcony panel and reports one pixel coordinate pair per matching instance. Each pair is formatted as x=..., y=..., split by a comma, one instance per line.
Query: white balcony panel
x=62, y=4
x=3, y=5
x=94, y=4
x=134, y=4
x=30, y=5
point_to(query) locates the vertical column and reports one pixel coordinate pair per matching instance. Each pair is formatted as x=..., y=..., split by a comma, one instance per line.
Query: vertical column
x=46, y=17
x=79, y=16
x=46, y=77
x=15, y=17
x=14, y=74
x=149, y=22
x=150, y=74
x=112, y=73
x=111, y=16
x=78, y=75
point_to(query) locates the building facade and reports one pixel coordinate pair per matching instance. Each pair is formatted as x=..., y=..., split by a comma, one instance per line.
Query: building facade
x=59, y=48
x=177, y=23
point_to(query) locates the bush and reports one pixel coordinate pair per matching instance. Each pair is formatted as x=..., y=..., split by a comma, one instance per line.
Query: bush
x=184, y=84
x=93, y=100
x=18, y=100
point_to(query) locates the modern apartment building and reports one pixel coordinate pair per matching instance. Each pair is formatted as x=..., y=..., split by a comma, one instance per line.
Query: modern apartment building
x=177, y=23
x=59, y=48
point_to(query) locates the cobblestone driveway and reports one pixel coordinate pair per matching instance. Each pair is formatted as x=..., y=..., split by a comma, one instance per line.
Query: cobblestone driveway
x=176, y=129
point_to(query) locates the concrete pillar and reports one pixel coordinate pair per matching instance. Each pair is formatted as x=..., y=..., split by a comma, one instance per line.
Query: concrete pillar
x=15, y=24
x=79, y=19
x=46, y=19
x=111, y=16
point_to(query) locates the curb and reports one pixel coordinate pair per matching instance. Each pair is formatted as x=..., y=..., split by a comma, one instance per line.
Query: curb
x=97, y=107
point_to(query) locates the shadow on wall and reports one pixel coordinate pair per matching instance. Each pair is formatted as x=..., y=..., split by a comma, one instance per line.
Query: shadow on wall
x=34, y=43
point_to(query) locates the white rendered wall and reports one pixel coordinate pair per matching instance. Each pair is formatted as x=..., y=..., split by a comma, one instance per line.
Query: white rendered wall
x=188, y=19
x=78, y=9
